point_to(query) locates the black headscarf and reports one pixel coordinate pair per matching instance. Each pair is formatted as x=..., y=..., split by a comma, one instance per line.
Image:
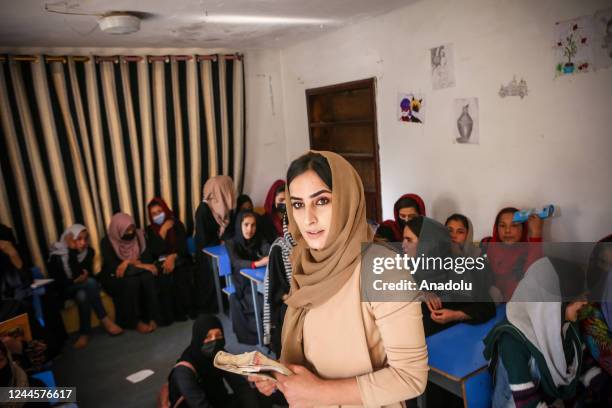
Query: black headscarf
x=247, y=249
x=193, y=353
x=243, y=198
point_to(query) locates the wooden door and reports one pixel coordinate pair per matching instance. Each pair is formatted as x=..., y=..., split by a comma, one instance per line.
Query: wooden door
x=342, y=119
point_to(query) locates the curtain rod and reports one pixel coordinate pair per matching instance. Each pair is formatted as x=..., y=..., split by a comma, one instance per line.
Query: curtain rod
x=123, y=58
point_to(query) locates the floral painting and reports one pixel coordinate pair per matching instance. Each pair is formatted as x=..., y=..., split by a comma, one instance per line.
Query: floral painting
x=573, y=39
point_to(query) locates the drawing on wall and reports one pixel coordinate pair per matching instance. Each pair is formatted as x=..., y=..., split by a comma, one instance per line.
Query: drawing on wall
x=514, y=88
x=466, y=130
x=602, y=49
x=411, y=108
x=573, y=39
x=442, y=66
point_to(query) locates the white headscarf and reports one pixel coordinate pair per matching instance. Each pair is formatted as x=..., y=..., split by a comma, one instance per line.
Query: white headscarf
x=540, y=321
x=61, y=249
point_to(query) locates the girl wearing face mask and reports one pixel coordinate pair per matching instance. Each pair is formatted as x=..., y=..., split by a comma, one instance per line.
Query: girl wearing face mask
x=536, y=352
x=167, y=243
x=342, y=351
x=195, y=382
x=275, y=207
x=128, y=275
x=405, y=208
x=247, y=249
x=70, y=265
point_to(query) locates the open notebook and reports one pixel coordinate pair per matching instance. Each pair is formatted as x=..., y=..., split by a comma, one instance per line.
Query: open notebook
x=253, y=363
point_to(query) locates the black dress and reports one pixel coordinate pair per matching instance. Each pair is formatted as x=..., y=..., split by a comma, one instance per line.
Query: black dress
x=175, y=289
x=134, y=295
x=206, y=235
x=278, y=287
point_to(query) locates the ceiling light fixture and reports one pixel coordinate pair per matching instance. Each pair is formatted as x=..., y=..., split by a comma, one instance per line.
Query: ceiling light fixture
x=238, y=19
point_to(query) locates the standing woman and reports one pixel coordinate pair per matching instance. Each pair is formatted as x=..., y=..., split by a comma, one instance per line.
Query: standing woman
x=128, y=275
x=70, y=265
x=167, y=243
x=212, y=226
x=342, y=351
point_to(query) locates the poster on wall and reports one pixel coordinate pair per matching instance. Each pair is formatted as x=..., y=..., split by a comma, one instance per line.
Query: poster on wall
x=602, y=48
x=466, y=129
x=411, y=108
x=442, y=66
x=573, y=46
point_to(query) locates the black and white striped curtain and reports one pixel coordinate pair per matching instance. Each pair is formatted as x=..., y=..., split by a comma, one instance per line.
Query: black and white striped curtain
x=83, y=138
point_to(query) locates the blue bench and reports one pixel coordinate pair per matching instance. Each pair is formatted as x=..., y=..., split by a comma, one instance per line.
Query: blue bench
x=221, y=267
x=256, y=277
x=456, y=362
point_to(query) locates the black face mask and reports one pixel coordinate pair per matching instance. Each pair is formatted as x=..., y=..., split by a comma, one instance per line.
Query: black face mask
x=128, y=237
x=281, y=207
x=210, y=349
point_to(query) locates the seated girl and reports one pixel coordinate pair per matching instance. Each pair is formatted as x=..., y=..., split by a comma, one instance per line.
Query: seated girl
x=536, y=352
x=426, y=237
x=272, y=221
x=247, y=249
x=509, y=252
x=195, y=382
x=596, y=326
x=70, y=265
x=405, y=208
x=128, y=275
x=167, y=244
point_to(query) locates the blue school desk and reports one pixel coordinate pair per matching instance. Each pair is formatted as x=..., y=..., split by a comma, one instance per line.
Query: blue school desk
x=456, y=362
x=221, y=267
x=256, y=277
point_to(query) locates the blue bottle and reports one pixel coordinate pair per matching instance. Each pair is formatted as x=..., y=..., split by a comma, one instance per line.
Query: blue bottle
x=523, y=215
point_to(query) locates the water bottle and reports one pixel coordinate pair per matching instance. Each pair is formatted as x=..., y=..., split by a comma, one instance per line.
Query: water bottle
x=523, y=215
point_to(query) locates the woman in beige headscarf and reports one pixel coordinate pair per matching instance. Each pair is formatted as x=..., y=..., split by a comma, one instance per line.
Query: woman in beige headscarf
x=343, y=352
x=212, y=226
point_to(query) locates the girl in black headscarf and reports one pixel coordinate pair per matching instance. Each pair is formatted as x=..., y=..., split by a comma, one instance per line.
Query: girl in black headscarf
x=427, y=237
x=247, y=249
x=195, y=382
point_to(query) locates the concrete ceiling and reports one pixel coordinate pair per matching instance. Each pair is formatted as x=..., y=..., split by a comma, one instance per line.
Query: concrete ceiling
x=183, y=23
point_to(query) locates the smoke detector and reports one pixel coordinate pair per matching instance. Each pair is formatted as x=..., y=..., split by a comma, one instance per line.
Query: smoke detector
x=119, y=23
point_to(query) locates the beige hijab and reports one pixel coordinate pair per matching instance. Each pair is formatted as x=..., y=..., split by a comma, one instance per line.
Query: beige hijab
x=220, y=195
x=319, y=274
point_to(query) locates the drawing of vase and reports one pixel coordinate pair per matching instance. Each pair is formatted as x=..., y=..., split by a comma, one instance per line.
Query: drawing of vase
x=465, y=123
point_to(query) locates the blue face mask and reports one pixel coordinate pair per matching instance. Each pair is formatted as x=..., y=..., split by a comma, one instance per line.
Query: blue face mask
x=159, y=218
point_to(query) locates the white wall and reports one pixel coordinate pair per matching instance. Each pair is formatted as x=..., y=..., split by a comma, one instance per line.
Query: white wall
x=266, y=159
x=552, y=147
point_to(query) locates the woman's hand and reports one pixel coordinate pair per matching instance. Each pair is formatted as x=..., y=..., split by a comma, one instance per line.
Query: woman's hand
x=82, y=277
x=120, y=272
x=534, y=223
x=433, y=301
x=442, y=316
x=303, y=388
x=168, y=265
x=262, y=262
x=266, y=387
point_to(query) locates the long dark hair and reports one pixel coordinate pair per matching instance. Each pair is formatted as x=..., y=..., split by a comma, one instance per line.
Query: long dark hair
x=310, y=161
